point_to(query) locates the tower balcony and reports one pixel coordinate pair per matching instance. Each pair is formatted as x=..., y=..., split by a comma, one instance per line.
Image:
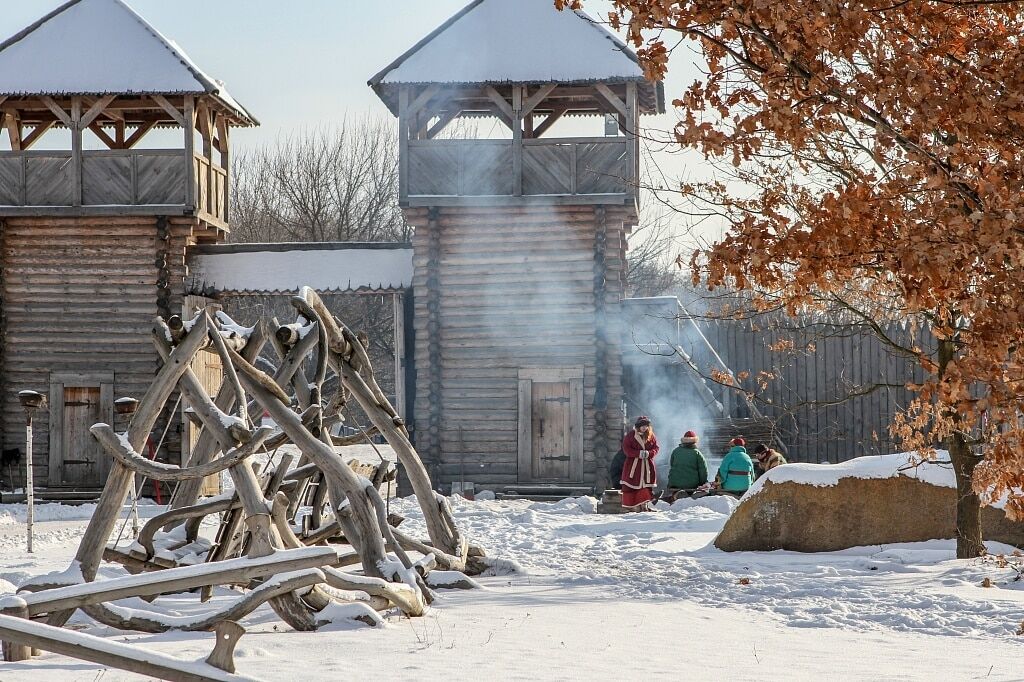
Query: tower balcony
x=113, y=182
x=575, y=170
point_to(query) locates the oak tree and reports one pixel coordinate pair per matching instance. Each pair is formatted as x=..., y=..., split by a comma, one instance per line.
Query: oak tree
x=870, y=155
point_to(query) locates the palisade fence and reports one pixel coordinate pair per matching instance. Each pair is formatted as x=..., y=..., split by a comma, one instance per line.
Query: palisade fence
x=821, y=397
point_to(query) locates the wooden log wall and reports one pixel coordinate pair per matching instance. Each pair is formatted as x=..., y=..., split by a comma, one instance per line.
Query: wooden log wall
x=516, y=288
x=79, y=295
x=826, y=364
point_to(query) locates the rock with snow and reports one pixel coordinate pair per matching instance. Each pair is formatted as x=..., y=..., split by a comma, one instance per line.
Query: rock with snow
x=866, y=501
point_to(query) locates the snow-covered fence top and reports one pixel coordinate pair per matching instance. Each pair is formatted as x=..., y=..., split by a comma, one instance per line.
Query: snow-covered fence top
x=283, y=268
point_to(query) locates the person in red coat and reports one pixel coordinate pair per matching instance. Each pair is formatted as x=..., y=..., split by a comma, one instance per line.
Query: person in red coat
x=638, y=474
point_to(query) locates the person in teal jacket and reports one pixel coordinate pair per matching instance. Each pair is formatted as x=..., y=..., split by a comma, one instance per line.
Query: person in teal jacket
x=736, y=472
x=689, y=469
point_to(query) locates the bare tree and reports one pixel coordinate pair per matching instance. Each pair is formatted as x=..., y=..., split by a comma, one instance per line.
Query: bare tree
x=335, y=184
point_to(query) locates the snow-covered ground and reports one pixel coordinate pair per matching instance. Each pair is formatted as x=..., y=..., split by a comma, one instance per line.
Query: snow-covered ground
x=581, y=595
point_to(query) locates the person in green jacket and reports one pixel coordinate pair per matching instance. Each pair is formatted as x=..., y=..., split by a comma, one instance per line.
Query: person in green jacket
x=736, y=472
x=689, y=469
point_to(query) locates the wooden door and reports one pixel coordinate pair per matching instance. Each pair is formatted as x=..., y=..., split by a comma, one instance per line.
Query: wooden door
x=550, y=426
x=76, y=403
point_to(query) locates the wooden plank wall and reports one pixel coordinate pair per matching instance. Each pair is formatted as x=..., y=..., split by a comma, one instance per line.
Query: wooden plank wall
x=516, y=290
x=826, y=363
x=80, y=295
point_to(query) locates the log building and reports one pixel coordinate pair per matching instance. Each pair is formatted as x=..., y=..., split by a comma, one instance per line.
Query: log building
x=520, y=240
x=93, y=240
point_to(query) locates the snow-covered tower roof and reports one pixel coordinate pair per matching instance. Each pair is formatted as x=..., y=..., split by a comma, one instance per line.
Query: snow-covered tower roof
x=494, y=42
x=103, y=47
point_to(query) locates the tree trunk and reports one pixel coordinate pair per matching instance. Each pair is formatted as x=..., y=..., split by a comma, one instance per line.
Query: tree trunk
x=968, y=505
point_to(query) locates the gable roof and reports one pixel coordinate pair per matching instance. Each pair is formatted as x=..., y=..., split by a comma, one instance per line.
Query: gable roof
x=515, y=41
x=101, y=47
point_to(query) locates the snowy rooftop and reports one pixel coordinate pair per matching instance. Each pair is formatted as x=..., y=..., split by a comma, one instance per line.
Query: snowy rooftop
x=515, y=41
x=100, y=47
x=283, y=268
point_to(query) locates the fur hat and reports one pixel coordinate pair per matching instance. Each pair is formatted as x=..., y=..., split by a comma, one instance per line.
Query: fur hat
x=689, y=438
x=761, y=449
x=738, y=440
x=642, y=420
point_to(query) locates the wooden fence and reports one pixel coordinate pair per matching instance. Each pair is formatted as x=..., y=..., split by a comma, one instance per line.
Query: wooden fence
x=833, y=391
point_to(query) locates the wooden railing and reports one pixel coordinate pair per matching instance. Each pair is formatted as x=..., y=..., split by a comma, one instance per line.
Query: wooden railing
x=211, y=190
x=548, y=167
x=155, y=178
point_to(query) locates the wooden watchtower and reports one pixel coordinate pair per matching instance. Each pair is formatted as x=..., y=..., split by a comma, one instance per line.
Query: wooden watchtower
x=520, y=239
x=109, y=177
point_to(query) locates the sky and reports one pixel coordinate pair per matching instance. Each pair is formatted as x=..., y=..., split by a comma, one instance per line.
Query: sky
x=303, y=64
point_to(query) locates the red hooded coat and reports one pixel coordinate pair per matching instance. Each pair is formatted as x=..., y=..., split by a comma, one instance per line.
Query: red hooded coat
x=638, y=471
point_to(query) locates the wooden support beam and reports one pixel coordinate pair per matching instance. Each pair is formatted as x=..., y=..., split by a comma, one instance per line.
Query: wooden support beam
x=96, y=109
x=517, y=140
x=632, y=137
x=188, y=123
x=76, y=149
x=103, y=137
x=549, y=121
x=423, y=98
x=502, y=117
x=59, y=112
x=179, y=117
x=403, y=142
x=445, y=118
x=139, y=133
x=536, y=98
x=36, y=133
x=500, y=102
x=610, y=97
x=224, y=137
x=119, y=130
x=13, y=125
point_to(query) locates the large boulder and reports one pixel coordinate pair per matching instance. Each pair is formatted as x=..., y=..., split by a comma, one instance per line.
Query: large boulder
x=795, y=510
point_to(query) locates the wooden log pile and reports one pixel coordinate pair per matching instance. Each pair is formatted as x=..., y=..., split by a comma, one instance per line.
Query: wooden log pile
x=302, y=536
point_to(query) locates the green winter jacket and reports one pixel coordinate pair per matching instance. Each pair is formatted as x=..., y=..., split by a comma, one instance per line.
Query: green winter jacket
x=689, y=468
x=738, y=462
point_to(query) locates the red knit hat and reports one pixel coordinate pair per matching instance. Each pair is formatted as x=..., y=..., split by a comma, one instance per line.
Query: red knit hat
x=738, y=440
x=689, y=438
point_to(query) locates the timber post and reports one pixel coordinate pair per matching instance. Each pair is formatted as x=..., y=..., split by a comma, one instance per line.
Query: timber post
x=31, y=401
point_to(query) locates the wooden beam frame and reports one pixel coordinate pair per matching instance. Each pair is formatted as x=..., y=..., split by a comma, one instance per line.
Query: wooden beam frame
x=96, y=109
x=606, y=93
x=171, y=110
x=59, y=112
x=139, y=133
x=536, y=98
x=517, y=140
x=500, y=102
x=13, y=125
x=444, y=119
x=98, y=131
x=36, y=133
x=188, y=124
x=76, y=148
x=551, y=119
x=423, y=98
